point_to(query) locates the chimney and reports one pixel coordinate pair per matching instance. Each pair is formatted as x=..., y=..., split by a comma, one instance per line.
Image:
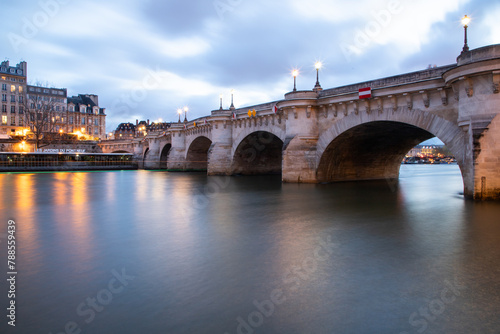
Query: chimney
x=136, y=122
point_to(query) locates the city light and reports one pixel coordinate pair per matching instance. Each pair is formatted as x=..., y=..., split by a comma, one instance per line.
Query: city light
x=318, y=65
x=179, y=111
x=465, y=23
x=295, y=73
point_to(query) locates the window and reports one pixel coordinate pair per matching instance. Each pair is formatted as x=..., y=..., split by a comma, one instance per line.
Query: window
x=4, y=97
x=32, y=106
x=4, y=86
x=20, y=89
x=21, y=110
x=21, y=99
x=96, y=121
x=83, y=109
x=21, y=120
x=12, y=98
x=70, y=119
x=12, y=120
x=96, y=111
x=12, y=109
x=83, y=120
x=96, y=131
x=4, y=120
x=58, y=108
x=63, y=108
x=4, y=108
x=12, y=88
x=71, y=108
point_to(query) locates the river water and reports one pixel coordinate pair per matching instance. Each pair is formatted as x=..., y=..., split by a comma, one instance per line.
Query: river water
x=158, y=252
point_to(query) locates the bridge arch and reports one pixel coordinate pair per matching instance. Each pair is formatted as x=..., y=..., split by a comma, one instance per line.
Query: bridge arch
x=197, y=154
x=165, y=151
x=145, y=155
x=358, y=147
x=259, y=152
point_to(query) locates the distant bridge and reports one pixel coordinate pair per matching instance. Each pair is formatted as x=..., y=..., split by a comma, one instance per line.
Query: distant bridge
x=333, y=135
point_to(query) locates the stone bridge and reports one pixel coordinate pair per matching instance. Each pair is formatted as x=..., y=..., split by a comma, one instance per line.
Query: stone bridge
x=333, y=135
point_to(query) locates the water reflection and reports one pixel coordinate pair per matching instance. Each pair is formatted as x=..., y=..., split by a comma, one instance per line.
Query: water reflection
x=204, y=249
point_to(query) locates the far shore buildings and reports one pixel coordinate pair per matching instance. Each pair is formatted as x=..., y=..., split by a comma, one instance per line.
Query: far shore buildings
x=79, y=114
x=13, y=81
x=139, y=129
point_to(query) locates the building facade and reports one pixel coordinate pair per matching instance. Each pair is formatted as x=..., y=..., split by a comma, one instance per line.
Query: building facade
x=86, y=117
x=56, y=99
x=13, y=90
x=80, y=115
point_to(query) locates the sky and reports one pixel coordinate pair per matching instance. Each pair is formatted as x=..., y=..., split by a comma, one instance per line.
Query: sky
x=145, y=59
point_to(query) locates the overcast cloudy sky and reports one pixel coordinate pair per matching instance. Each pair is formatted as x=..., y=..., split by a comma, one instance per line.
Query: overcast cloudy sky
x=146, y=58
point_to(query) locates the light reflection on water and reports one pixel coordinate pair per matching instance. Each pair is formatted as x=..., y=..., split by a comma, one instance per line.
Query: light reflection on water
x=203, y=249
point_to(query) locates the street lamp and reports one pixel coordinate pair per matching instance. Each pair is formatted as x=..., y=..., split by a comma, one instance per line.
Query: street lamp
x=465, y=23
x=295, y=73
x=318, y=65
x=179, y=111
x=232, y=99
x=185, y=114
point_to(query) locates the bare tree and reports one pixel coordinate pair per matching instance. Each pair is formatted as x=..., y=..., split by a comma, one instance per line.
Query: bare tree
x=39, y=115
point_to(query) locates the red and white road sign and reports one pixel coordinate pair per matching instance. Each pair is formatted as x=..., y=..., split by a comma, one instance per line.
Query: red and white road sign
x=365, y=93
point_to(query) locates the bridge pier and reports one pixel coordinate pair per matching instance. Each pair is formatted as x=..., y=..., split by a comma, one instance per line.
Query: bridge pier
x=177, y=156
x=220, y=152
x=152, y=156
x=475, y=82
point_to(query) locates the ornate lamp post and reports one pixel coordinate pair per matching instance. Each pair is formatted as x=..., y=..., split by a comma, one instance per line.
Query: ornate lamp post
x=185, y=114
x=179, y=111
x=295, y=73
x=318, y=65
x=232, y=99
x=220, y=97
x=465, y=23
